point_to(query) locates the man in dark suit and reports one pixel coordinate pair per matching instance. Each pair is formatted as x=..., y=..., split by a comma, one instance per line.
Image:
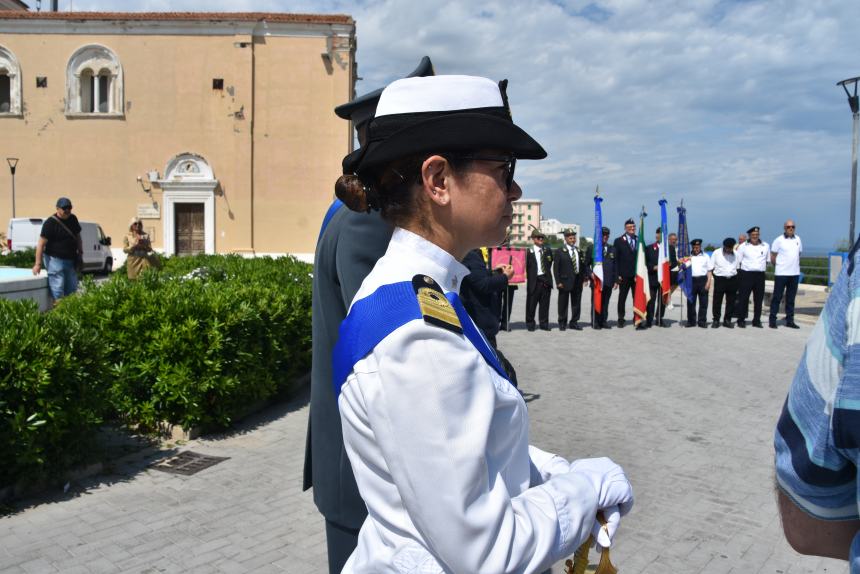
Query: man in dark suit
x=538, y=281
x=625, y=261
x=569, y=269
x=652, y=260
x=481, y=292
x=349, y=245
x=609, y=274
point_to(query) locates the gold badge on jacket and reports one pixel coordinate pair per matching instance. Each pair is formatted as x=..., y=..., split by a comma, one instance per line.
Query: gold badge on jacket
x=435, y=307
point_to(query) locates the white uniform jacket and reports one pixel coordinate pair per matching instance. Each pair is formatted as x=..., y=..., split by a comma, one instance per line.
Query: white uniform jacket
x=438, y=441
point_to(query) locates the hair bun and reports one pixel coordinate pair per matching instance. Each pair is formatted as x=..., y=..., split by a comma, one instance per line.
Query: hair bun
x=351, y=191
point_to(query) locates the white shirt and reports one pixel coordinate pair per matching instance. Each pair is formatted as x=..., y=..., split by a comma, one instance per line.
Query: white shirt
x=699, y=264
x=438, y=442
x=723, y=265
x=788, y=250
x=537, y=251
x=753, y=257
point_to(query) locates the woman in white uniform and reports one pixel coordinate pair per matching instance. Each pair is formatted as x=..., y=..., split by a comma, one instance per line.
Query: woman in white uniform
x=436, y=435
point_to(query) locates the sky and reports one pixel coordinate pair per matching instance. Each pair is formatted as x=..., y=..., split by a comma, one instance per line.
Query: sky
x=730, y=106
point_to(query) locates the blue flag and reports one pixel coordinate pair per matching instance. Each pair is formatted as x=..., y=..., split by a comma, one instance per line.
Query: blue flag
x=685, y=274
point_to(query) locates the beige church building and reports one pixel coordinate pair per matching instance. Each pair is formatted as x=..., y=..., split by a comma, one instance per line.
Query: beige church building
x=216, y=129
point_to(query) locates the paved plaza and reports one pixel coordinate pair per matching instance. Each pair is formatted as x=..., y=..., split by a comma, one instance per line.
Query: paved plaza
x=689, y=414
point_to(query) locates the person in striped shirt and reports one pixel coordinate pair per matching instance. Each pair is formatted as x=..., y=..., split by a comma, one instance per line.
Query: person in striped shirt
x=817, y=439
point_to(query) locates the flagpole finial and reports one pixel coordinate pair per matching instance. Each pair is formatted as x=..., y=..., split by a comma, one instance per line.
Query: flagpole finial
x=597, y=190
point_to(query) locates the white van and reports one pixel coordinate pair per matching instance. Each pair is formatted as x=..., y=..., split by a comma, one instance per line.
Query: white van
x=23, y=233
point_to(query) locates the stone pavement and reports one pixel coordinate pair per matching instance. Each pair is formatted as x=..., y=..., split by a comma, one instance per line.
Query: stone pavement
x=689, y=413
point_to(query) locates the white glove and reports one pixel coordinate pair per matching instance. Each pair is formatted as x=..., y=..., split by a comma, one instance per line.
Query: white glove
x=614, y=494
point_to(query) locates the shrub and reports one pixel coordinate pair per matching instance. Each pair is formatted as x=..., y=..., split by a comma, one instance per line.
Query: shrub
x=25, y=259
x=195, y=349
x=51, y=391
x=199, y=347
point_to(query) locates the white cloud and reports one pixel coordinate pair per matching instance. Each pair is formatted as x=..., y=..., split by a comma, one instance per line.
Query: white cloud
x=731, y=105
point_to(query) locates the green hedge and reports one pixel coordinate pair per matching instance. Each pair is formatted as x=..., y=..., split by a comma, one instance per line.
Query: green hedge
x=52, y=391
x=196, y=344
x=25, y=259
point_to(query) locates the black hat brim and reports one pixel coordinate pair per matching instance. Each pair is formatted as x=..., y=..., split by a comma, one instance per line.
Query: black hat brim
x=468, y=131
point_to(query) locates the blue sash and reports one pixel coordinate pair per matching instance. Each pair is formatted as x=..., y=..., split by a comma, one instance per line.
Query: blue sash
x=328, y=215
x=381, y=313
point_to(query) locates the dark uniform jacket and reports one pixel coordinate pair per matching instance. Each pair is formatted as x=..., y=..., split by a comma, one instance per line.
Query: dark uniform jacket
x=345, y=254
x=609, y=260
x=652, y=260
x=562, y=268
x=481, y=293
x=625, y=258
x=532, y=276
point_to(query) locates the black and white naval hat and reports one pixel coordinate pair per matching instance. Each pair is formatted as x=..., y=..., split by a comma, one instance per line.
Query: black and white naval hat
x=439, y=114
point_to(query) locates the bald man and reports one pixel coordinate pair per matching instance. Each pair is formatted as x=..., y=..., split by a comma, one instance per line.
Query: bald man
x=785, y=253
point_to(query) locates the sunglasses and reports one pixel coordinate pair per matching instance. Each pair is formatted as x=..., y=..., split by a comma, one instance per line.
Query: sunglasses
x=789, y=227
x=509, y=161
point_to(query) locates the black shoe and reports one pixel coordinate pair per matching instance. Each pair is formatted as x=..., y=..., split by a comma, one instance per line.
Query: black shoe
x=620, y=323
x=641, y=327
x=576, y=327
x=703, y=325
x=531, y=327
x=742, y=324
x=606, y=326
x=728, y=325
x=545, y=328
x=560, y=328
x=715, y=325
x=665, y=324
x=758, y=325
x=597, y=327
x=691, y=324
x=792, y=325
x=772, y=323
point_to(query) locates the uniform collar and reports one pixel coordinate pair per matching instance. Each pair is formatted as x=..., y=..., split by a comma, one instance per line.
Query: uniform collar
x=428, y=258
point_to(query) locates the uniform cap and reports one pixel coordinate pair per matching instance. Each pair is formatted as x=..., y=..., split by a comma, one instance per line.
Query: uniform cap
x=729, y=242
x=537, y=233
x=438, y=114
x=696, y=242
x=751, y=229
x=569, y=231
x=606, y=231
x=630, y=222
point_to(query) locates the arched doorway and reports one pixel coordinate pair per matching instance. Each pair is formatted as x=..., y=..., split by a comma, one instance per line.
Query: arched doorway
x=189, y=205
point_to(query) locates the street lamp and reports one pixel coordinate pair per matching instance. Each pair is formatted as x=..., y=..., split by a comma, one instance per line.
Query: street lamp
x=854, y=104
x=12, y=161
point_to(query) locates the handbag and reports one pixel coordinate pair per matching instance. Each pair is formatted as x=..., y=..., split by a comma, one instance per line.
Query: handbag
x=79, y=257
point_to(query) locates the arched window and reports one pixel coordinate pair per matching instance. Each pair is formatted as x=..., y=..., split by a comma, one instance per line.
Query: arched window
x=10, y=84
x=94, y=82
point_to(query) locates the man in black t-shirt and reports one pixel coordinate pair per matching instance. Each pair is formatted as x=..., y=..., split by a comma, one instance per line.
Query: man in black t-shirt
x=59, y=246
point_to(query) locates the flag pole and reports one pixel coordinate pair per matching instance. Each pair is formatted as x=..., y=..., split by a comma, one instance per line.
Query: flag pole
x=591, y=279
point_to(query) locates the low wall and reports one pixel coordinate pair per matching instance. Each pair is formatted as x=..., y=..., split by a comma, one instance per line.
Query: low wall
x=21, y=284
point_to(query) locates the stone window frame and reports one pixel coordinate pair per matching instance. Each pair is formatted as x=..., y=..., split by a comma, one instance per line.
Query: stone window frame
x=10, y=67
x=94, y=60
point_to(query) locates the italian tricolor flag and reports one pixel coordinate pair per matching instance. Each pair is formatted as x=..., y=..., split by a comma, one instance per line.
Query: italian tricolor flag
x=641, y=291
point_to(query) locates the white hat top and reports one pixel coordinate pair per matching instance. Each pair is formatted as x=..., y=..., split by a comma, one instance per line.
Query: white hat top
x=438, y=94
